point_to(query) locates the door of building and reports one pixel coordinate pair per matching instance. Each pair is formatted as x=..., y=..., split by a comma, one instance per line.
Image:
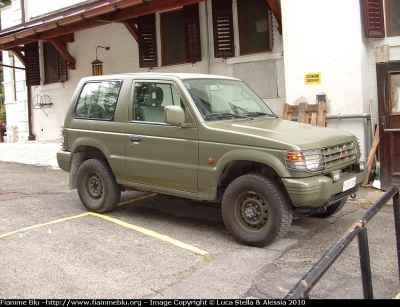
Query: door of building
x=388, y=76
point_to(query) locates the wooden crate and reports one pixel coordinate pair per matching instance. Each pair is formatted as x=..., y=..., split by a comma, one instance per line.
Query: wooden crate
x=314, y=114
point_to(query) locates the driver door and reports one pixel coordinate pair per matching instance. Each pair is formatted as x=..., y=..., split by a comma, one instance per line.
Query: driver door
x=160, y=155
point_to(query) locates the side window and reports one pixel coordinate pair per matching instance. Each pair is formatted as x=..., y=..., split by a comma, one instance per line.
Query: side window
x=180, y=37
x=151, y=98
x=393, y=17
x=254, y=26
x=98, y=100
x=173, y=38
x=55, y=67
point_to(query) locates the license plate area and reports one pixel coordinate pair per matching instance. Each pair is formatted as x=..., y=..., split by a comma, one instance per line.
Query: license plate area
x=349, y=183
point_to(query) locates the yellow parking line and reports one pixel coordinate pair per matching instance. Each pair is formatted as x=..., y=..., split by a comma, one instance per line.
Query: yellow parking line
x=44, y=224
x=121, y=223
x=155, y=235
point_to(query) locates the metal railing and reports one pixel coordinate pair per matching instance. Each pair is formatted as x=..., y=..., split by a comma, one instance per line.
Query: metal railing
x=302, y=289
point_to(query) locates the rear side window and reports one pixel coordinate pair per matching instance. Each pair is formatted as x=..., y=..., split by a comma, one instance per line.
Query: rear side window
x=98, y=100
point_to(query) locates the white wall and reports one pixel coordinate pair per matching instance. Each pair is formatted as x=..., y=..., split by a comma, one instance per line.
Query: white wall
x=342, y=55
x=35, y=8
x=14, y=79
x=123, y=56
x=326, y=36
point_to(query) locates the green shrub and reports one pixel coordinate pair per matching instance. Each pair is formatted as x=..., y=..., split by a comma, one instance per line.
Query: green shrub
x=3, y=114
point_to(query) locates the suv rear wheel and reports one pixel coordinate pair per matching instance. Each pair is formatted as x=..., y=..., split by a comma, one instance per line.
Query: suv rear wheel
x=97, y=187
x=256, y=210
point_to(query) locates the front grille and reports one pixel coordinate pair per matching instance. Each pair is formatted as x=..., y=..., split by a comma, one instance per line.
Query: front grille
x=342, y=154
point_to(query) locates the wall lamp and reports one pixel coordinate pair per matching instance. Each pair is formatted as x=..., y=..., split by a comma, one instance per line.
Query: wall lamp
x=97, y=65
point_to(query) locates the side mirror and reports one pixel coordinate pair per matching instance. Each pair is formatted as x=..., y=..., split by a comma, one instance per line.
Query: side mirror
x=174, y=115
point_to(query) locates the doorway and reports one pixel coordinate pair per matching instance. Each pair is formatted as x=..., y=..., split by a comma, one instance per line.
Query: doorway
x=388, y=82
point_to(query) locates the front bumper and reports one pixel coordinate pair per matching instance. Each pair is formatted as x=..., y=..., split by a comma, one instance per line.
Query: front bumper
x=315, y=191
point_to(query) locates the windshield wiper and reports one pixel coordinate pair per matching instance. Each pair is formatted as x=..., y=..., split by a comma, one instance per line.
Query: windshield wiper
x=225, y=115
x=263, y=114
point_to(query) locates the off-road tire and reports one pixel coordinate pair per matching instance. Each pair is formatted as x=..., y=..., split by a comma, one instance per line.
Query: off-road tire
x=97, y=187
x=256, y=210
x=332, y=209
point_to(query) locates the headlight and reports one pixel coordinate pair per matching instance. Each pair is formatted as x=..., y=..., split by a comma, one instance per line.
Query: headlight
x=357, y=149
x=308, y=160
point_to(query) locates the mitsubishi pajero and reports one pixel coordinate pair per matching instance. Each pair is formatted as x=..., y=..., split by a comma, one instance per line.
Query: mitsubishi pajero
x=207, y=138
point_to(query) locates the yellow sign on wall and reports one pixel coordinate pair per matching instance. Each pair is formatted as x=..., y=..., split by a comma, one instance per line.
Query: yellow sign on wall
x=312, y=78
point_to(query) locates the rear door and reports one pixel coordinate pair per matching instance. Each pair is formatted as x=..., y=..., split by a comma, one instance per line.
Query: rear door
x=159, y=155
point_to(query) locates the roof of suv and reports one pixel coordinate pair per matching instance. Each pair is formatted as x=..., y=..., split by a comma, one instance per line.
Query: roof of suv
x=181, y=76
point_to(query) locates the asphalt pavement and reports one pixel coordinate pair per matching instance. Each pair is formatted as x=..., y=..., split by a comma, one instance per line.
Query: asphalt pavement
x=284, y=269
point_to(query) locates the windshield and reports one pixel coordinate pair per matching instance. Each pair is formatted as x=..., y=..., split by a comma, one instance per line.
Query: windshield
x=218, y=99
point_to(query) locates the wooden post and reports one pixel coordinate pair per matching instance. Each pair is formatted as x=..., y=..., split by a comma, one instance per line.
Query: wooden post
x=371, y=156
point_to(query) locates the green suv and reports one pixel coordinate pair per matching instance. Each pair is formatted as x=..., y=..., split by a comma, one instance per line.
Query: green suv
x=207, y=138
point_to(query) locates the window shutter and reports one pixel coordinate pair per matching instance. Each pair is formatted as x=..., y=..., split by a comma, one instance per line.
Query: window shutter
x=32, y=69
x=62, y=69
x=223, y=28
x=373, y=18
x=192, y=33
x=147, y=40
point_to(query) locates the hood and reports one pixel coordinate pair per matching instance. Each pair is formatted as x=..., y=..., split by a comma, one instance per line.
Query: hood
x=277, y=133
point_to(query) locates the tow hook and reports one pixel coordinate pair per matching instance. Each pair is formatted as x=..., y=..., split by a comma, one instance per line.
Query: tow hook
x=353, y=195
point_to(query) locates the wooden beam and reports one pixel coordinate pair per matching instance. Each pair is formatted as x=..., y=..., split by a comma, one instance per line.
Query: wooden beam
x=68, y=38
x=69, y=29
x=302, y=116
x=65, y=54
x=15, y=44
x=131, y=26
x=321, y=114
x=19, y=55
x=371, y=156
x=19, y=48
x=275, y=7
x=149, y=8
x=106, y=18
x=117, y=12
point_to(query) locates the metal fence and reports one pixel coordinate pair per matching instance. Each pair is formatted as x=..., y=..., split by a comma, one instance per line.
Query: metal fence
x=302, y=289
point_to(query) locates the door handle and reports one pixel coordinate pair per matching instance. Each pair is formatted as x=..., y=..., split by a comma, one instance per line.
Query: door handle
x=135, y=138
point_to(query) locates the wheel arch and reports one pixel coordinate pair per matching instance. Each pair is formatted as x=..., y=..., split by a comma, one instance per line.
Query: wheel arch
x=79, y=155
x=235, y=169
x=260, y=161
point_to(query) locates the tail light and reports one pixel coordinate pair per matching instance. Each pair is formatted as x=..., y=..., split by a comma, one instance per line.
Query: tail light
x=63, y=138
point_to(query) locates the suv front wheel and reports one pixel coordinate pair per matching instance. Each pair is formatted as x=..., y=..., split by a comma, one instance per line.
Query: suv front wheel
x=256, y=210
x=97, y=188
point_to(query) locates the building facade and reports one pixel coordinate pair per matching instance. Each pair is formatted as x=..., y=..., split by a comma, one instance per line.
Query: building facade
x=288, y=51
